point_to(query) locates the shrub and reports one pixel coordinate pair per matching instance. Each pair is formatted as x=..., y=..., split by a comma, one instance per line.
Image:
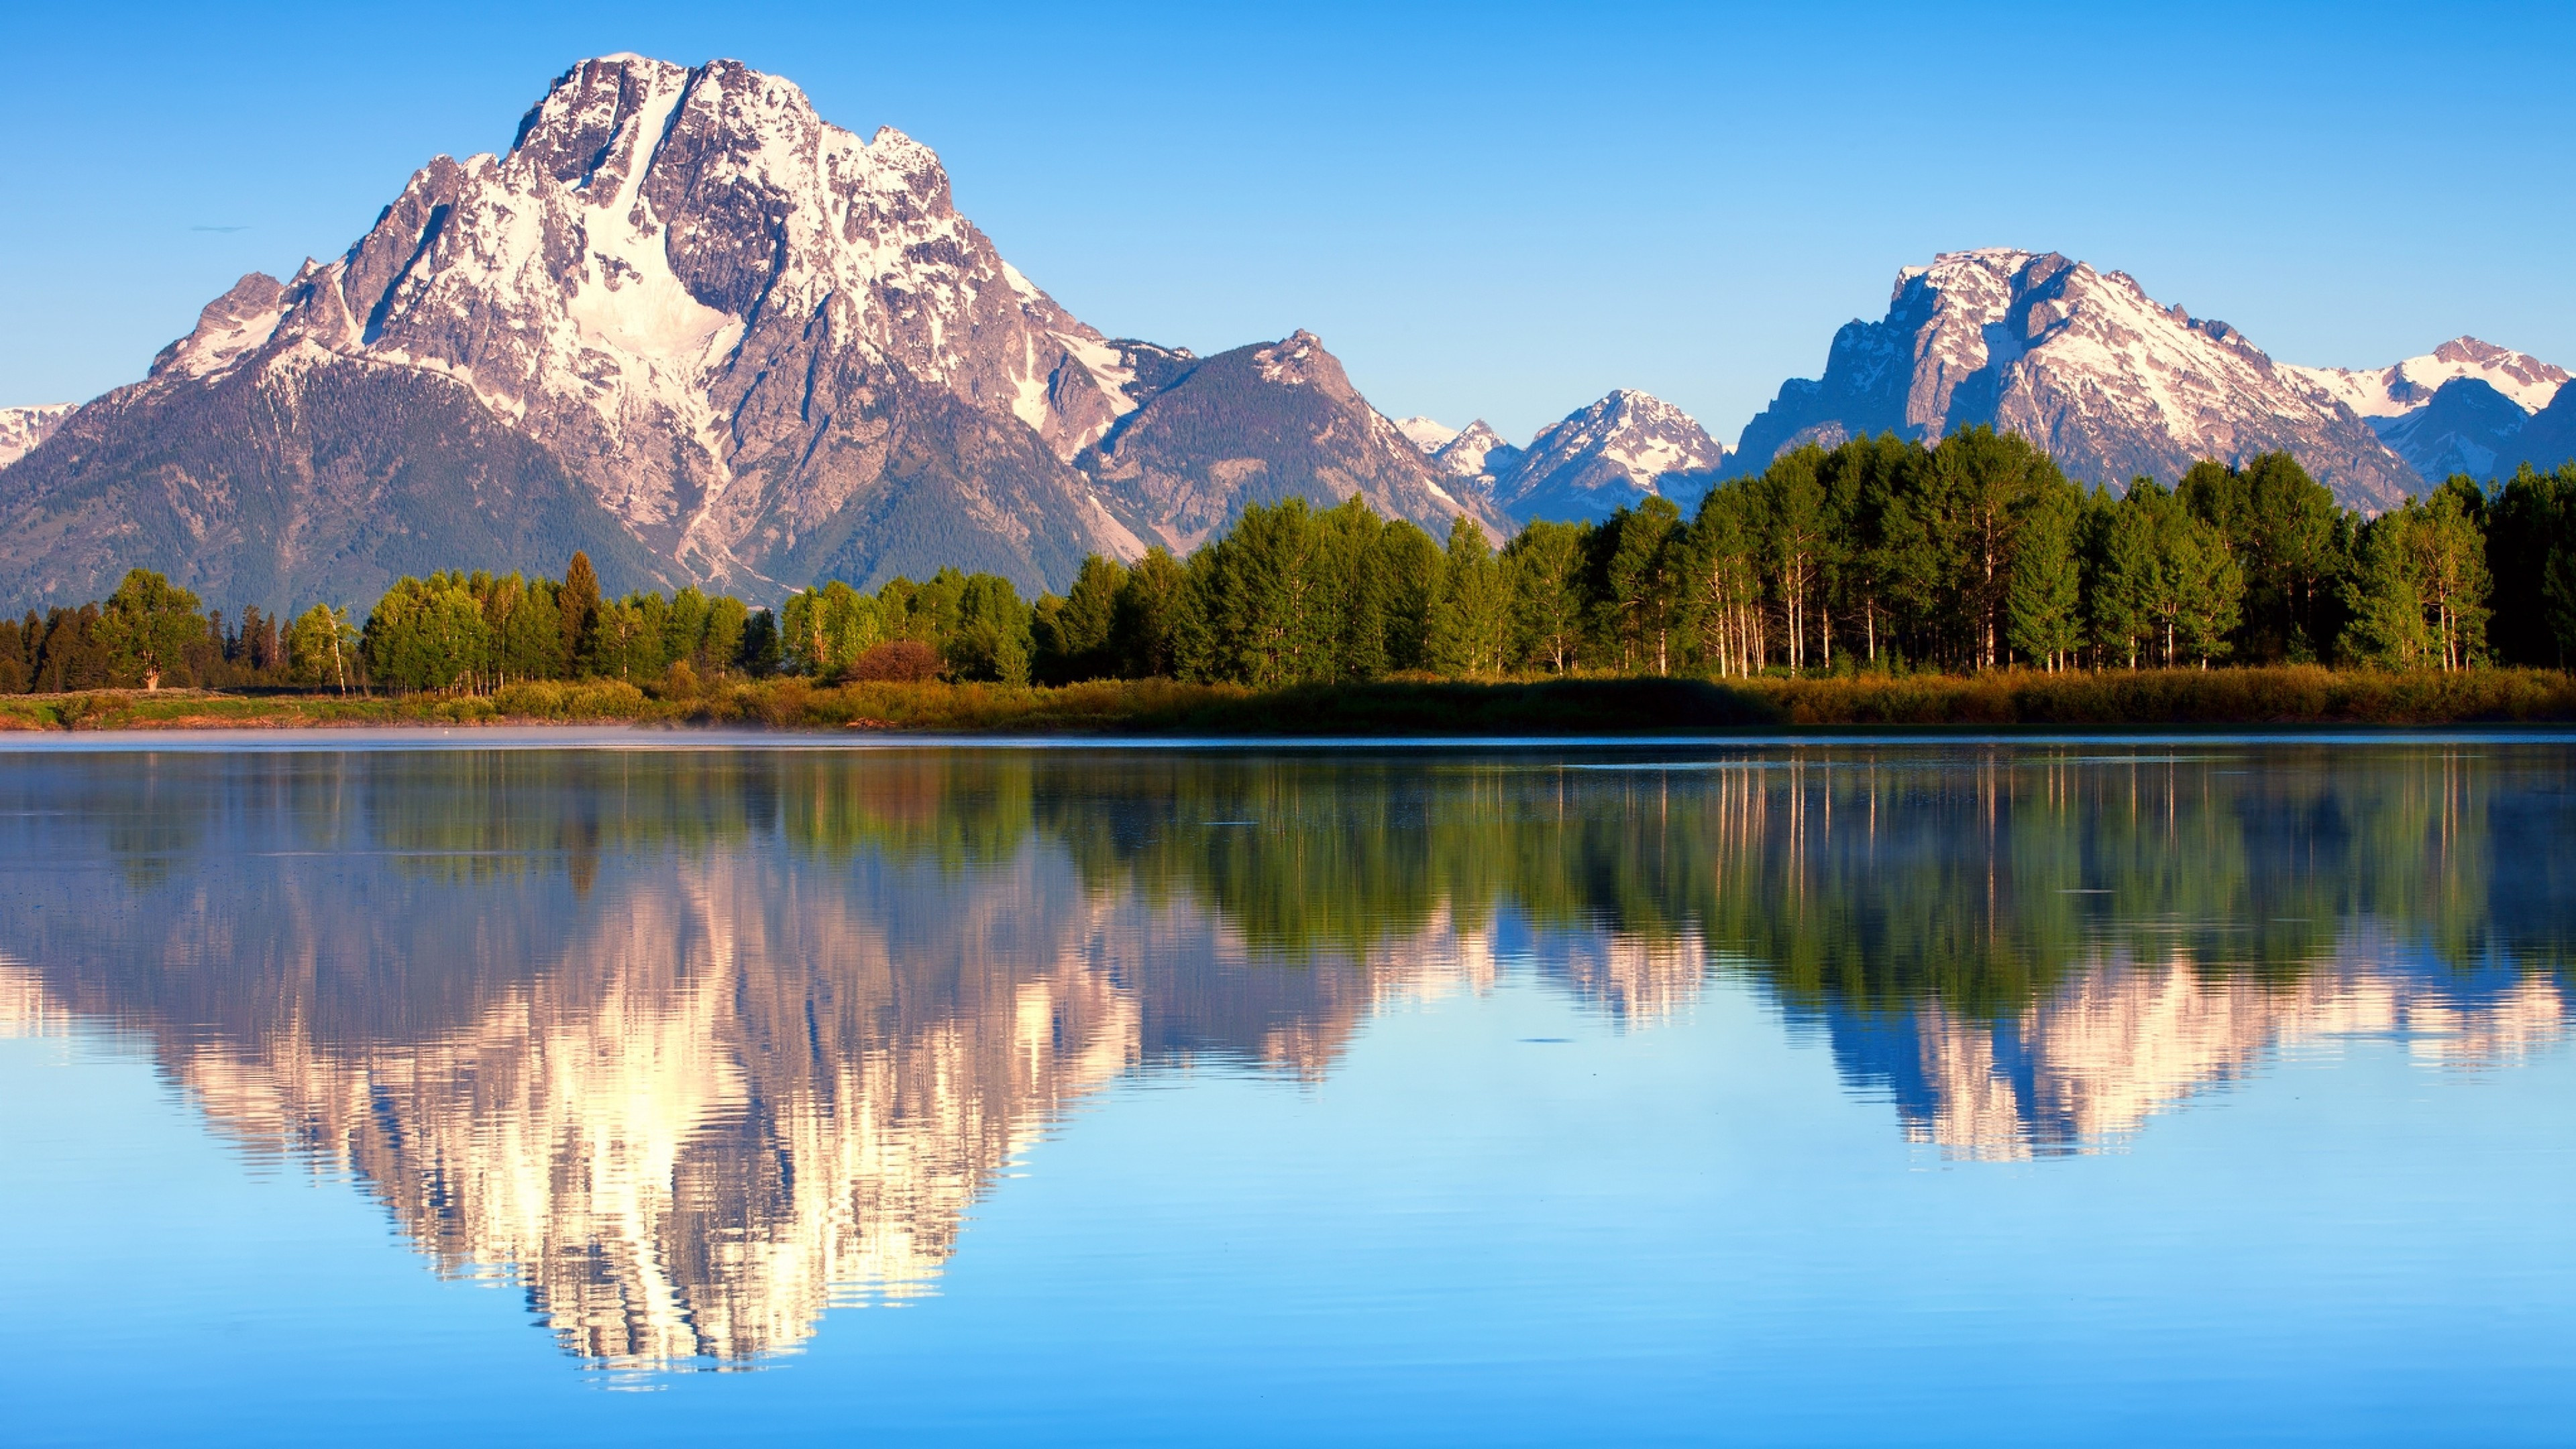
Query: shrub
x=896, y=661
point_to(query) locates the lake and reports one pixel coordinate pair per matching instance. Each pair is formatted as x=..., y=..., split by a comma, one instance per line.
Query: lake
x=2208, y=1089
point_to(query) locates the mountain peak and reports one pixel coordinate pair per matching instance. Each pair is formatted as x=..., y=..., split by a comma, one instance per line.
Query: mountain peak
x=2083, y=363
x=1611, y=453
x=1428, y=434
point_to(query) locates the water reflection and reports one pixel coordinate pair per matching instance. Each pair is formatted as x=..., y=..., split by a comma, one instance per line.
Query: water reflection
x=696, y=1045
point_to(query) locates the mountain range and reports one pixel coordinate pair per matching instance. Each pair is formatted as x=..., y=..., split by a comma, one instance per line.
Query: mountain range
x=690, y=327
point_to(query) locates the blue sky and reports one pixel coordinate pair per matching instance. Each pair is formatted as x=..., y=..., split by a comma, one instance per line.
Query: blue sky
x=1496, y=210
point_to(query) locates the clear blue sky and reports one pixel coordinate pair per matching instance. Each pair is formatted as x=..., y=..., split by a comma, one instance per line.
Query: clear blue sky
x=1496, y=210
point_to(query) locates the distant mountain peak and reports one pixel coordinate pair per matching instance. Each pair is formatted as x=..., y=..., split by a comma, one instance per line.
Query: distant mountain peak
x=1428, y=434
x=1610, y=454
x=2082, y=362
x=22, y=428
x=2402, y=387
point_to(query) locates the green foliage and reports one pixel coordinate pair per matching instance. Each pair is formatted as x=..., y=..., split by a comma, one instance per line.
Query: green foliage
x=426, y=634
x=2044, y=604
x=1544, y=568
x=1142, y=621
x=821, y=630
x=322, y=648
x=1878, y=555
x=1470, y=628
x=2280, y=527
x=147, y=627
x=2387, y=628
x=1071, y=636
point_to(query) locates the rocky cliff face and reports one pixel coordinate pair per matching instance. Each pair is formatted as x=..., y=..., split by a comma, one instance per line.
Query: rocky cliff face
x=1613, y=454
x=2085, y=364
x=21, y=429
x=1257, y=425
x=707, y=334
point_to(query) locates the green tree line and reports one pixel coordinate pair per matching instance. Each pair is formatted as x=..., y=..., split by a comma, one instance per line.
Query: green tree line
x=1970, y=554
x=1973, y=553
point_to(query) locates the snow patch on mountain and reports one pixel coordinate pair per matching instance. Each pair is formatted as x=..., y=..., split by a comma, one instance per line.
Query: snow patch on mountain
x=2402, y=387
x=22, y=428
x=1428, y=434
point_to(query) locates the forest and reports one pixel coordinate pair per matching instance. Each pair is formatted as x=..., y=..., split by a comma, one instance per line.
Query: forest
x=1878, y=556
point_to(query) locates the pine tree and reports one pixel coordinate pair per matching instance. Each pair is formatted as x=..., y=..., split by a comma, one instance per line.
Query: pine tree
x=578, y=601
x=1471, y=616
x=2044, y=602
x=1141, y=624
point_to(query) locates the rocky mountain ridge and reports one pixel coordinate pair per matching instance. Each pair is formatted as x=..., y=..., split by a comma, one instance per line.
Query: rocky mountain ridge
x=1611, y=454
x=2403, y=387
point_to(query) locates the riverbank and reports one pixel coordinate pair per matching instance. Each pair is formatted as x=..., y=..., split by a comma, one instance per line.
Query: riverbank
x=2292, y=695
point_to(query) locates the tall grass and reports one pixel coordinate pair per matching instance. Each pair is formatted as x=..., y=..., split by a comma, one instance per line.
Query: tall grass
x=2293, y=695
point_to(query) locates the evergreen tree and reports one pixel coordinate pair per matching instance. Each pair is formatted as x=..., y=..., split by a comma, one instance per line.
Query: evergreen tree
x=2279, y=526
x=1470, y=624
x=1641, y=577
x=577, y=602
x=1070, y=637
x=758, y=653
x=1354, y=588
x=1141, y=623
x=991, y=638
x=1411, y=563
x=2045, y=604
x=2530, y=529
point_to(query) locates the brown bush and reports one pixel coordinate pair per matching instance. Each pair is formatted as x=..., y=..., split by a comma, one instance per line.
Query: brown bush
x=897, y=661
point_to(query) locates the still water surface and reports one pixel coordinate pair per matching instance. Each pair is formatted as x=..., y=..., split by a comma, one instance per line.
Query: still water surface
x=2027, y=1092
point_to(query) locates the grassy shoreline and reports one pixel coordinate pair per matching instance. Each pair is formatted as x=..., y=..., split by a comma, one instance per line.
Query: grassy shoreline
x=2293, y=695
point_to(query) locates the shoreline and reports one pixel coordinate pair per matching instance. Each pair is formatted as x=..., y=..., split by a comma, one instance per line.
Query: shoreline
x=662, y=739
x=2295, y=699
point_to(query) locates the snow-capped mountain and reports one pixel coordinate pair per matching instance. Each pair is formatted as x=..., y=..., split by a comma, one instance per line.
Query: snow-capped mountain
x=2083, y=363
x=683, y=323
x=1475, y=452
x=1624, y=448
x=22, y=428
x=2402, y=387
x=2464, y=428
x=1478, y=452
x=2458, y=409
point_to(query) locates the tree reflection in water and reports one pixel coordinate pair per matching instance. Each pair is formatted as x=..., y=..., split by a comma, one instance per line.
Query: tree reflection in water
x=694, y=1044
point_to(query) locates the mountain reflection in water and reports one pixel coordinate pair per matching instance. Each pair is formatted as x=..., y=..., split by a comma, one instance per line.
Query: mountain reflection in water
x=696, y=1044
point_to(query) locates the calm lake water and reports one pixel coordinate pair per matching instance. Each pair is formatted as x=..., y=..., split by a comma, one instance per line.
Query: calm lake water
x=2048, y=1092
